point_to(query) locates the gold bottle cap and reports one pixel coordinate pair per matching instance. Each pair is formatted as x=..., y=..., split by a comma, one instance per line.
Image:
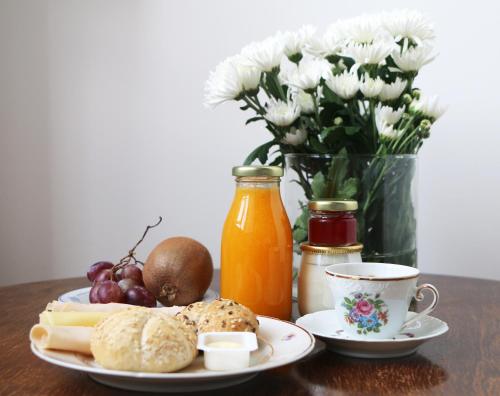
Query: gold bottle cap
x=257, y=170
x=333, y=205
x=357, y=248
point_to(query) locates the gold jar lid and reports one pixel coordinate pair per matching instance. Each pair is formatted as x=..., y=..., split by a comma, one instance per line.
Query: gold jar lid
x=257, y=170
x=331, y=250
x=333, y=205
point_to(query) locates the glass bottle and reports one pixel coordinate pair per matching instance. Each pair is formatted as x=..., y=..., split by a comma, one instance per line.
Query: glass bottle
x=256, y=248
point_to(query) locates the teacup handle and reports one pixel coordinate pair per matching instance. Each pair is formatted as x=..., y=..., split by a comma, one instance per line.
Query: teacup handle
x=419, y=296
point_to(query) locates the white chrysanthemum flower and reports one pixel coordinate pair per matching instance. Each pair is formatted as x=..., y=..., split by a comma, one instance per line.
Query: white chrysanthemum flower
x=363, y=29
x=393, y=90
x=295, y=42
x=265, y=55
x=282, y=113
x=327, y=45
x=409, y=24
x=412, y=58
x=388, y=114
x=305, y=102
x=429, y=106
x=385, y=118
x=295, y=137
x=229, y=80
x=345, y=85
x=388, y=131
x=372, y=54
x=371, y=87
x=309, y=73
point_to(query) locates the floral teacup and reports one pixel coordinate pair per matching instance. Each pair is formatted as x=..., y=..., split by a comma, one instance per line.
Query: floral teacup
x=372, y=299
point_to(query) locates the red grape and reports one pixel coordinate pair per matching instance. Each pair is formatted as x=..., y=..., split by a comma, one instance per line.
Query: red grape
x=139, y=295
x=126, y=284
x=104, y=275
x=93, y=298
x=96, y=268
x=131, y=271
x=109, y=291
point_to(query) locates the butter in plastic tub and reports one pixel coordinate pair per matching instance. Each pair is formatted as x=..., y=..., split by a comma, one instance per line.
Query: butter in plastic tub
x=227, y=350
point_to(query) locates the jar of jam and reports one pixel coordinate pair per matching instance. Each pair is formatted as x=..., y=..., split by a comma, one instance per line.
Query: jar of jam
x=332, y=222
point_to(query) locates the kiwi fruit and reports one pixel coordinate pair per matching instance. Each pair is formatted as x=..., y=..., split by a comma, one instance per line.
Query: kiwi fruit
x=178, y=271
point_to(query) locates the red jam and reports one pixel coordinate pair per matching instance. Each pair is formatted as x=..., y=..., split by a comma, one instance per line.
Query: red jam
x=335, y=227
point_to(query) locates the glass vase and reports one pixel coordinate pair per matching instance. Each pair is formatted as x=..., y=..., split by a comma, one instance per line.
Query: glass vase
x=384, y=186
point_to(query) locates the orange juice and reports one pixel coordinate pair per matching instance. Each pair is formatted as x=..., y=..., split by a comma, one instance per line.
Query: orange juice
x=256, y=251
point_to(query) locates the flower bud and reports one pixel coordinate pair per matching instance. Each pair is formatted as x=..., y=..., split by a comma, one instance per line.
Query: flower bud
x=338, y=121
x=416, y=93
x=407, y=99
x=425, y=124
x=425, y=133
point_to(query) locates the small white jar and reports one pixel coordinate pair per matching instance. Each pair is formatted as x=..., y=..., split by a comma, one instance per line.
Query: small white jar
x=313, y=291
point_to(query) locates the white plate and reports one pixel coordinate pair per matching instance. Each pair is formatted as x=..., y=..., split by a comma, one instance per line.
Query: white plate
x=323, y=324
x=280, y=343
x=82, y=296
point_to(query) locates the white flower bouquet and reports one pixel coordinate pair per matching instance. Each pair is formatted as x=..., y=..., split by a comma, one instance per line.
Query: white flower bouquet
x=349, y=91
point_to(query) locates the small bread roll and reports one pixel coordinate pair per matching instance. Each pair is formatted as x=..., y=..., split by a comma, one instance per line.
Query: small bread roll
x=227, y=315
x=143, y=340
x=191, y=314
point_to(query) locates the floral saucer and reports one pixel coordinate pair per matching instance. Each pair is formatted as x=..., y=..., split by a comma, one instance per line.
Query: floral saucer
x=323, y=325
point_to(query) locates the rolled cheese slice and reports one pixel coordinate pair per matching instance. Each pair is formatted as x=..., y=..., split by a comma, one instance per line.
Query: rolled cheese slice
x=57, y=306
x=64, y=338
x=88, y=319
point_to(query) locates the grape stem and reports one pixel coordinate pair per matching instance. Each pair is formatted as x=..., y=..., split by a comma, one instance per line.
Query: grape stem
x=131, y=253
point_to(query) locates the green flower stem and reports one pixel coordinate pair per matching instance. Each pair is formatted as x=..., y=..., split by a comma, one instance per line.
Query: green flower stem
x=316, y=111
x=261, y=111
x=374, y=124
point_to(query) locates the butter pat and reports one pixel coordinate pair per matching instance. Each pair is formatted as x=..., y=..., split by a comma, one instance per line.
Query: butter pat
x=227, y=350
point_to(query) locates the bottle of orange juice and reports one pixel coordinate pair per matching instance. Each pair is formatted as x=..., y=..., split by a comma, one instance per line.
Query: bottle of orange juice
x=256, y=251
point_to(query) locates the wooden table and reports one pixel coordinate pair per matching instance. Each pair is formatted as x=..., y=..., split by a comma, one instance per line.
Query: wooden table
x=465, y=361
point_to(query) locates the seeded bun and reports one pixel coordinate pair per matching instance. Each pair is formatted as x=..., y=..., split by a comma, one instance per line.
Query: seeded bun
x=143, y=340
x=227, y=315
x=191, y=314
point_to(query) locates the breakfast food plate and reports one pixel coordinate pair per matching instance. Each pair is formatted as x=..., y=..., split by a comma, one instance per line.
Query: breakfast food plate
x=323, y=324
x=279, y=343
x=82, y=296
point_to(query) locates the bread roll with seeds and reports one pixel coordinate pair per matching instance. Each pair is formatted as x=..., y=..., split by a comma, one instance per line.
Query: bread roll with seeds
x=190, y=315
x=227, y=315
x=143, y=340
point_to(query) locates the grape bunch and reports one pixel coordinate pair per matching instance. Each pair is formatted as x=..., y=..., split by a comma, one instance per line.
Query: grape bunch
x=123, y=286
x=122, y=282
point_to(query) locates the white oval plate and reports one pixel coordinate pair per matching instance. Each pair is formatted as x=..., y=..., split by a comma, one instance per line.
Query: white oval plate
x=323, y=324
x=280, y=343
x=82, y=296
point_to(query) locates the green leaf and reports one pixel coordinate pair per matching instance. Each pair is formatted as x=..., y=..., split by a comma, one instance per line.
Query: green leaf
x=351, y=130
x=331, y=97
x=317, y=145
x=279, y=160
x=260, y=152
x=318, y=185
x=376, y=330
x=370, y=301
x=347, y=300
x=349, y=189
x=299, y=235
x=253, y=119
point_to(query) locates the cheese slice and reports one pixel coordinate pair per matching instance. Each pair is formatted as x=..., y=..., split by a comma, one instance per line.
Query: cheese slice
x=64, y=338
x=89, y=319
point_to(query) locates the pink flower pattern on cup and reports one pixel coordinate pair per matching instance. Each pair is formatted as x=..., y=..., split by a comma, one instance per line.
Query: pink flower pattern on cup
x=365, y=311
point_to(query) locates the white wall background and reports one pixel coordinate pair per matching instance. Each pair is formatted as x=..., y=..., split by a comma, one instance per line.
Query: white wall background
x=102, y=128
